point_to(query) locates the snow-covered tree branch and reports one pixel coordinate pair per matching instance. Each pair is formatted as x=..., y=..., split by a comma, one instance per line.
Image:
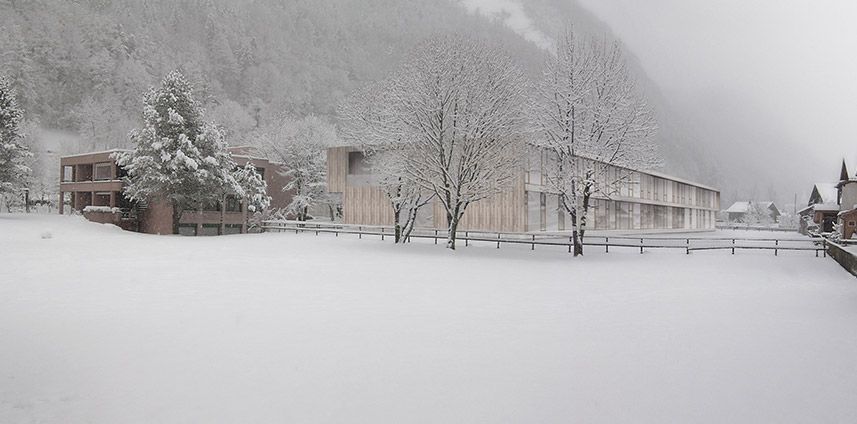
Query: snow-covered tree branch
x=178, y=157
x=300, y=145
x=452, y=121
x=593, y=124
x=14, y=172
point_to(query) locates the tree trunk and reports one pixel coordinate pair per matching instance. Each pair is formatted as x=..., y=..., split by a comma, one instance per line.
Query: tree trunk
x=578, y=243
x=410, y=224
x=177, y=216
x=397, y=228
x=450, y=238
x=222, y=214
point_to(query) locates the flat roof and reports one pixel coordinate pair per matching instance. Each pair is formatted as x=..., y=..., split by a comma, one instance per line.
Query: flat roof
x=95, y=153
x=652, y=173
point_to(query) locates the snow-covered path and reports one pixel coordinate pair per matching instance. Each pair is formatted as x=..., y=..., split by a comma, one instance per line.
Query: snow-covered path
x=99, y=325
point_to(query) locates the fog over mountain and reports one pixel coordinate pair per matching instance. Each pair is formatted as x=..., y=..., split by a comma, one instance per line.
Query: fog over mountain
x=81, y=66
x=768, y=87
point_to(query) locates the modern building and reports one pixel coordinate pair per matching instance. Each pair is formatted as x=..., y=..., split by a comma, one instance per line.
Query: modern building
x=742, y=211
x=92, y=184
x=645, y=201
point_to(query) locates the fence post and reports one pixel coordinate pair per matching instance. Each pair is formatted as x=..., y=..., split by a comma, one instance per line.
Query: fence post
x=317, y=226
x=466, y=238
x=606, y=244
x=435, y=236
x=360, y=232
x=498, y=240
x=534, y=242
x=382, y=233
x=570, y=242
x=641, y=246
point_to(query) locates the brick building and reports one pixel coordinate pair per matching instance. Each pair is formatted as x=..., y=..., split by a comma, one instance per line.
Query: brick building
x=92, y=184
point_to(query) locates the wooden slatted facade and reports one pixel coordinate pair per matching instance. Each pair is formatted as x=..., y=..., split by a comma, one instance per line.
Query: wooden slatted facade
x=649, y=201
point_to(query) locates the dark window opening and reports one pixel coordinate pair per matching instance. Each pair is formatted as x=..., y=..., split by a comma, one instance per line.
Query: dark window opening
x=233, y=204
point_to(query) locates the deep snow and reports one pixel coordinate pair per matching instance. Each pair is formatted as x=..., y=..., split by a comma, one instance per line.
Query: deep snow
x=100, y=325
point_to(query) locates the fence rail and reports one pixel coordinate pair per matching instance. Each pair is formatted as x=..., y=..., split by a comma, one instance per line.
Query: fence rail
x=687, y=244
x=754, y=228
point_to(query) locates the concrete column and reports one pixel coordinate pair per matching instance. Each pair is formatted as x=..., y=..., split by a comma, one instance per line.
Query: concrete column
x=112, y=199
x=61, y=203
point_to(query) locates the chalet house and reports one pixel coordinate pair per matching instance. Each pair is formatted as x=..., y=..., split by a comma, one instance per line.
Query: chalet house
x=741, y=211
x=822, y=208
x=647, y=201
x=833, y=203
x=92, y=184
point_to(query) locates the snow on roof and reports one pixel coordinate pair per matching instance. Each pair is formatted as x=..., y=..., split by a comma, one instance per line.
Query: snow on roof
x=95, y=153
x=744, y=207
x=739, y=207
x=826, y=207
x=828, y=192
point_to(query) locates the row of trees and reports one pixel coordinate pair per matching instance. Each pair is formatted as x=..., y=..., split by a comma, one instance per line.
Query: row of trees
x=14, y=154
x=456, y=121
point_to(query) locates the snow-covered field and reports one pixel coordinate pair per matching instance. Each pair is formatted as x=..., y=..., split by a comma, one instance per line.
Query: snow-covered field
x=104, y=326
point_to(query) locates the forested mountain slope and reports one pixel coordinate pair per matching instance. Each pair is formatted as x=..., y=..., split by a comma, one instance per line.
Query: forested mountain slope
x=81, y=66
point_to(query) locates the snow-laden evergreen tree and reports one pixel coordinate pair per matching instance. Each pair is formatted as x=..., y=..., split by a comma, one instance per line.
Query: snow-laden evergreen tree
x=594, y=126
x=254, y=187
x=14, y=172
x=300, y=145
x=177, y=157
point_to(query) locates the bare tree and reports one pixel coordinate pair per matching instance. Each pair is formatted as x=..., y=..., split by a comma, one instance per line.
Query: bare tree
x=367, y=123
x=300, y=145
x=594, y=125
x=454, y=113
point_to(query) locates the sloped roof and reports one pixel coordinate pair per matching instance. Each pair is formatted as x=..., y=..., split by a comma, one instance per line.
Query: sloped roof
x=744, y=207
x=826, y=207
x=827, y=192
x=739, y=207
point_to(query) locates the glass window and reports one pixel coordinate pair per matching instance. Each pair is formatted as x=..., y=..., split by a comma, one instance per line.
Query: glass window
x=210, y=229
x=357, y=164
x=211, y=207
x=534, y=211
x=67, y=173
x=187, y=229
x=103, y=171
x=232, y=229
x=232, y=204
x=552, y=213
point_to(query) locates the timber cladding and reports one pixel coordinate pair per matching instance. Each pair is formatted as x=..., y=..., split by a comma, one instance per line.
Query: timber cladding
x=366, y=205
x=505, y=211
x=337, y=169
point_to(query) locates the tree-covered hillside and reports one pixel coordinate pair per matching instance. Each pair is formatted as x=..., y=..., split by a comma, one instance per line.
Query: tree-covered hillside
x=81, y=66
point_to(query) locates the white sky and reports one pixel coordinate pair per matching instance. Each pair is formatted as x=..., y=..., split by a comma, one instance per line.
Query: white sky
x=788, y=65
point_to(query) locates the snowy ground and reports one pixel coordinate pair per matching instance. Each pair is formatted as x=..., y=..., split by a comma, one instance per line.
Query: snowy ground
x=99, y=325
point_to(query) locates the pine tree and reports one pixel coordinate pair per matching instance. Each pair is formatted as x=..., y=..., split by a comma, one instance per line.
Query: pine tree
x=178, y=158
x=14, y=172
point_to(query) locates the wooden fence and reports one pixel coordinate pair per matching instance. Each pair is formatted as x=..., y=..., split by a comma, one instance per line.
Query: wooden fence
x=687, y=244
